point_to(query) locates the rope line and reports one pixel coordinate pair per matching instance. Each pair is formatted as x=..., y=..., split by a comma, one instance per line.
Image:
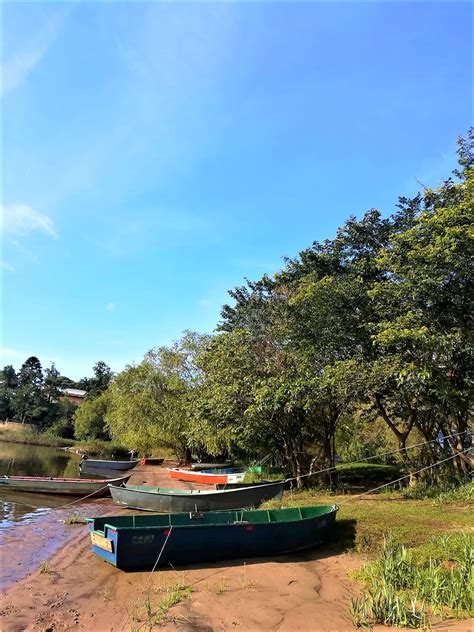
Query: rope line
x=427, y=467
x=148, y=579
x=377, y=456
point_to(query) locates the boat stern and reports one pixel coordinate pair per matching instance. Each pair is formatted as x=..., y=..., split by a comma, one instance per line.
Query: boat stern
x=104, y=542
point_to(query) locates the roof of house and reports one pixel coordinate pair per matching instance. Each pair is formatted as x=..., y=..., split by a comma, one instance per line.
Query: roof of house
x=73, y=392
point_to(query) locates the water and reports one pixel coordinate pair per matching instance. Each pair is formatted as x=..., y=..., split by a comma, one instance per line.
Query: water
x=32, y=526
x=18, y=459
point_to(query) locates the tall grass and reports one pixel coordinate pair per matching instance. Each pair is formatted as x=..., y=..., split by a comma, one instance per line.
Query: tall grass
x=408, y=587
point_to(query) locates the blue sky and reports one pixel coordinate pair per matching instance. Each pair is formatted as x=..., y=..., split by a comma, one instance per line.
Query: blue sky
x=156, y=154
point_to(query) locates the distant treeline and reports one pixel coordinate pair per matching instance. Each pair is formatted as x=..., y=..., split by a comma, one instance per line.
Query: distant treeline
x=360, y=343
x=34, y=396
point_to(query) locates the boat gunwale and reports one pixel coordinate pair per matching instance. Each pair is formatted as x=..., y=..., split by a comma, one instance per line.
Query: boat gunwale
x=331, y=509
x=55, y=479
x=193, y=492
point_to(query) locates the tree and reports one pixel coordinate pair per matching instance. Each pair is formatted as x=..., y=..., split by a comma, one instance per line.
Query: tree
x=8, y=385
x=150, y=404
x=425, y=333
x=100, y=382
x=30, y=404
x=89, y=418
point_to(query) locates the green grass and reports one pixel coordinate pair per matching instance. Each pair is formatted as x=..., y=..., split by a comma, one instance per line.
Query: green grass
x=34, y=438
x=410, y=587
x=362, y=522
x=154, y=614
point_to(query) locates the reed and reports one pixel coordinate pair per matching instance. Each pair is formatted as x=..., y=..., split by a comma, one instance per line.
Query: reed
x=408, y=587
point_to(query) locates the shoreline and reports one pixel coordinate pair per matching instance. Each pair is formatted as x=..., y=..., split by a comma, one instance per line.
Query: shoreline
x=75, y=589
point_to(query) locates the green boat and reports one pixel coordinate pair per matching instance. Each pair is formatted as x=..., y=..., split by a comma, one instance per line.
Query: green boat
x=142, y=541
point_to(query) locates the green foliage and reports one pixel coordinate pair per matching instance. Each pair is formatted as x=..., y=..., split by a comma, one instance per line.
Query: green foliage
x=152, y=404
x=405, y=587
x=89, y=418
x=8, y=384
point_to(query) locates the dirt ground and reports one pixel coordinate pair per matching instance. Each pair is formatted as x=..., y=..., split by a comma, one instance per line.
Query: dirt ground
x=79, y=591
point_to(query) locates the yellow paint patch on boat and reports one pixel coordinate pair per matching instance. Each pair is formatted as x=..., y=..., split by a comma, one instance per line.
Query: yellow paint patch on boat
x=101, y=542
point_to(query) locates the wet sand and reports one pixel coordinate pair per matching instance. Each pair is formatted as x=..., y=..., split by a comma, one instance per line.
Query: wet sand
x=79, y=591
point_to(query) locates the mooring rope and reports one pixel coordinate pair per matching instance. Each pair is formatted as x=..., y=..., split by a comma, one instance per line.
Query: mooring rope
x=148, y=578
x=377, y=456
x=427, y=467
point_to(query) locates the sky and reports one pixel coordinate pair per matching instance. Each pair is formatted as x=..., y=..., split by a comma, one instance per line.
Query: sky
x=154, y=155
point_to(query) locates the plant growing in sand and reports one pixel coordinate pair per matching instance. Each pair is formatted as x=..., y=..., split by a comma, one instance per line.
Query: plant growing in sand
x=154, y=614
x=74, y=519
x=44, y=567
x=222, y=585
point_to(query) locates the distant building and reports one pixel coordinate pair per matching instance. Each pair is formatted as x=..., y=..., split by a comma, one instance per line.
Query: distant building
x=73, y=395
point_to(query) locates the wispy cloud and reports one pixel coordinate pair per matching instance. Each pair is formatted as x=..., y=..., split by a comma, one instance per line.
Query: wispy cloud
x=111, y=307
x=22, y=219
x=16, y=68
x=6, y=266
x=10, y=354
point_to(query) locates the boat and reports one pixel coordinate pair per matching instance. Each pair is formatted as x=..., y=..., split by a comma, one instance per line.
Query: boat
x=151, y=460
x=146, y=541
x=208, y=477
x=52, y=485
x=175, y=500
x=87, y=463
x=210, y=466
x=99, y=472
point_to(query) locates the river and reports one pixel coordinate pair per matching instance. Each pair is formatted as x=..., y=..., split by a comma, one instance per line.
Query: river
x=32, y=526
x=18, y=459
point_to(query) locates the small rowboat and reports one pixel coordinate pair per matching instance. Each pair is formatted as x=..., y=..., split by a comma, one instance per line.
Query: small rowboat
x=175, y=500
x=151, y=460
x=171, y=539
x=69, y=486
x=123, y=466
x=207, y=477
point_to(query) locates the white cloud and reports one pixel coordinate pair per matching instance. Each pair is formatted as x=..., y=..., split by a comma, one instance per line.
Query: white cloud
x=7, y=266
x=20, y=63
x=6, y=354
x=21, y=219
x=111, y=307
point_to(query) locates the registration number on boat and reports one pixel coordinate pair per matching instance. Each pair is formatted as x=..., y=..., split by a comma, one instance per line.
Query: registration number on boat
x=101, y=542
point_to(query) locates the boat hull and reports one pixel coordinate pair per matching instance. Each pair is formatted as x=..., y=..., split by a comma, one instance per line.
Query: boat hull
x=60, y=486
x=132, y=542
x=205, y=477
x=148, y=460
x=154, y=499
x=108, y=465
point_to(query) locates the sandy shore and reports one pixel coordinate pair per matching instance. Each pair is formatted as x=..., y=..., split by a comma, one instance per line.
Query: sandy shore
x=79, y=591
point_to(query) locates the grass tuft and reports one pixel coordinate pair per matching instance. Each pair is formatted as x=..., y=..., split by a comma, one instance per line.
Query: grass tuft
x=407, y=588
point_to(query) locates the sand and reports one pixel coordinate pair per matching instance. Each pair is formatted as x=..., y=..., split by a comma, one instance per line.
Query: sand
x=79, y=591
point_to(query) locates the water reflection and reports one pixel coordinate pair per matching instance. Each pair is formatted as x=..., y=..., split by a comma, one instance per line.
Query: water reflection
x=30, y=460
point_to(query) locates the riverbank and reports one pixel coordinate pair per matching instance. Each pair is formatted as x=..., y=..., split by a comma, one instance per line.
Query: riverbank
x=94, y=447
x=308, y=591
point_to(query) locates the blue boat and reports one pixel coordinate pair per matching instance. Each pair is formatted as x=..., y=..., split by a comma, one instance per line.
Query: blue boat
x=132, y=542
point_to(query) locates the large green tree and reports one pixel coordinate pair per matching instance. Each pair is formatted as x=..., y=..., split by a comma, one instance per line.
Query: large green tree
x=150, y=405
x=8, y=385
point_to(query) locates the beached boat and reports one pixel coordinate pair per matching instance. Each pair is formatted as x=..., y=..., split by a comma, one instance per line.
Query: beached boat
x=52, y=485
x=123, y=466
x=151, y=460
x=209, y=477
x=190, y=538
x=175, y=500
